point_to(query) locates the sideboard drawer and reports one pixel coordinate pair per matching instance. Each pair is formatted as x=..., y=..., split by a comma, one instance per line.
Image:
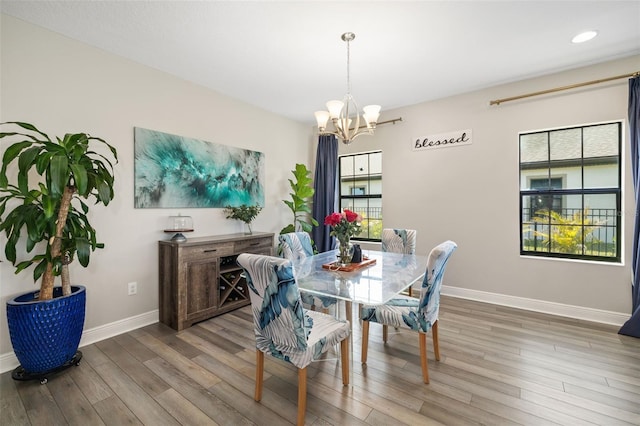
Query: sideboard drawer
x=250, y=246
x=207, y=251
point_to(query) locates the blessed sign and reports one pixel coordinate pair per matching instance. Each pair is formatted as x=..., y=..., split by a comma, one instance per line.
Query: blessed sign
x=442, y=140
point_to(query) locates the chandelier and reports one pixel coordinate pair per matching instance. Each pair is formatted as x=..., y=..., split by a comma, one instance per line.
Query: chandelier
x=340, y=112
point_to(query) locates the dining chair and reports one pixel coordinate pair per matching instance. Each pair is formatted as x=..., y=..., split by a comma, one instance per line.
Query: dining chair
x=295, y=246
x=283, y=328
x=400, y=241
x=419, y=315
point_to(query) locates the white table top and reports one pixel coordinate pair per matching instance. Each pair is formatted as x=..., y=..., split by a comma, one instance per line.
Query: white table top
x=375, y=284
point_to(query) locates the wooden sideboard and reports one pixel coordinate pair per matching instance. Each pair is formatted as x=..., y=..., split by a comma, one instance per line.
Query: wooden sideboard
x=199, y=278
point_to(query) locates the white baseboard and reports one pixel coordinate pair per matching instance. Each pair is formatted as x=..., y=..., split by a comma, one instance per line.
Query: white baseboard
x=571, y=311
x=8, y=361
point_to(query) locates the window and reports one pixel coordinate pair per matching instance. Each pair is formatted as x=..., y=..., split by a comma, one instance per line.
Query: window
x=570, y=195
x=361, y=191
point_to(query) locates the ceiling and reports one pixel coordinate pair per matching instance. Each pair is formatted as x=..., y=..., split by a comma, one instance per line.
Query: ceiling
x=287, y=56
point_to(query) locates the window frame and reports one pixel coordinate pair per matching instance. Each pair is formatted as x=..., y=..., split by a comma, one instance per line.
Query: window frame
x=352, y=197
x=564, y=193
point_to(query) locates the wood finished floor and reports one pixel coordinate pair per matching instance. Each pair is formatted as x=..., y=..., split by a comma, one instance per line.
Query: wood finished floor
x=499, y=366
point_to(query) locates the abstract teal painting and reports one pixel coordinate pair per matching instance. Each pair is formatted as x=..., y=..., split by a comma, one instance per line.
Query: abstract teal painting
x=174, y=171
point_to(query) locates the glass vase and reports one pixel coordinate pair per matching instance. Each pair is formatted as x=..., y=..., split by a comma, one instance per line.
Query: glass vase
x=344, y=252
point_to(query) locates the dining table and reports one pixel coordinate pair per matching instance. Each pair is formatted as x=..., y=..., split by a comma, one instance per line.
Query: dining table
x=376, y=280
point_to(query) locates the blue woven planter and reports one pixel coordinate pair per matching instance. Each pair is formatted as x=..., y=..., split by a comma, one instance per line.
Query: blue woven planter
x=45, y=334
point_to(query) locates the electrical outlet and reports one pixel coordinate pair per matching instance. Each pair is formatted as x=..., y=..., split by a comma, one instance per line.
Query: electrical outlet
x=132, y=288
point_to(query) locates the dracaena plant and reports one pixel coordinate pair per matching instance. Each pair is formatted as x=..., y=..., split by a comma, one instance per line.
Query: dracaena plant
x=45, y=206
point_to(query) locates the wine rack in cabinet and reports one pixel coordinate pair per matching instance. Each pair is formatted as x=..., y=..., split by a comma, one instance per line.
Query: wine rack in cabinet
x=200, y=278
x=232, y=288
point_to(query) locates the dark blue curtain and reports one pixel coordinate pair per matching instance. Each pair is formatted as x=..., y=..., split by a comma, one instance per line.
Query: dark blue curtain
x=324, y=198
x=632, y=326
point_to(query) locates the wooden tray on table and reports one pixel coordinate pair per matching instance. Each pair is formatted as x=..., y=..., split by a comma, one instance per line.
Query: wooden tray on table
x=335, y=266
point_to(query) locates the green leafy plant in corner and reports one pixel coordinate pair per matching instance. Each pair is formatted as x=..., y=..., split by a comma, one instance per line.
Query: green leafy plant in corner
x=244, y=213
x=302, y=191
x=47, y=200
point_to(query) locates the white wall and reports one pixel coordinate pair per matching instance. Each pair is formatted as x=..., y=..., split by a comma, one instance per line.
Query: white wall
x=469, y=193
x=61, y=86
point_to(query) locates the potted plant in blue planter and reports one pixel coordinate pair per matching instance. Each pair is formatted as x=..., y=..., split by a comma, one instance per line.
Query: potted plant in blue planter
x=44, y=186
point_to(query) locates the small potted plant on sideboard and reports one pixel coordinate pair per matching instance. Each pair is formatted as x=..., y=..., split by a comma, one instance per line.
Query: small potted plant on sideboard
x=244, y=213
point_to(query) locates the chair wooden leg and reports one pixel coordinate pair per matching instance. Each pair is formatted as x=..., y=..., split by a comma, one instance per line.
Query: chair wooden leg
x=259, y=374
x=348, y=311
x=385, y=332
x=344, y=359
x=365, y=341
x=436, y=343
x=302, y=395
x=423, y=356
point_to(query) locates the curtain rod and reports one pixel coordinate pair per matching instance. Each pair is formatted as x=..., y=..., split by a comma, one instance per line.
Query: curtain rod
x=558, y=89
x=392, y=121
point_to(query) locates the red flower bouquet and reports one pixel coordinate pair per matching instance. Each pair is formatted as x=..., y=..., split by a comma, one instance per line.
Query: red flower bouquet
x=344, y=226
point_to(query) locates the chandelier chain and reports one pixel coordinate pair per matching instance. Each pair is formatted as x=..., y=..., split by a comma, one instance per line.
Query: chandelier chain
x=348, y=67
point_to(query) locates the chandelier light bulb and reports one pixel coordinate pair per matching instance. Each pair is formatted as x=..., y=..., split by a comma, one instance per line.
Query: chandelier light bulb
x=334, y=107
x=322, y=117
x=371, y=114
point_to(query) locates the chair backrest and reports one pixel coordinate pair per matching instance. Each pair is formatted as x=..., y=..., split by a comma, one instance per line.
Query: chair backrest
x=399, y=240
x=432, y=282
x=295, y=245
x=279, y=319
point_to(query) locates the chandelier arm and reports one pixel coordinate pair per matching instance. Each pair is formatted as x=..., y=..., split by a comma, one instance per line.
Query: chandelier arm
x=339, y=132
x=330, y=133
x=361, y=132
x=348, y=138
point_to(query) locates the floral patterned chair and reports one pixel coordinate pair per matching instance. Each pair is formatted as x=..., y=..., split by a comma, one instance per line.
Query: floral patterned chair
x=283, y=328
x=295, y=246
x=400, y=241
x=420, y=315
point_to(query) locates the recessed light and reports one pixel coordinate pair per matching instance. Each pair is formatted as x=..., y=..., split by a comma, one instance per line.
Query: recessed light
x=584, y=36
